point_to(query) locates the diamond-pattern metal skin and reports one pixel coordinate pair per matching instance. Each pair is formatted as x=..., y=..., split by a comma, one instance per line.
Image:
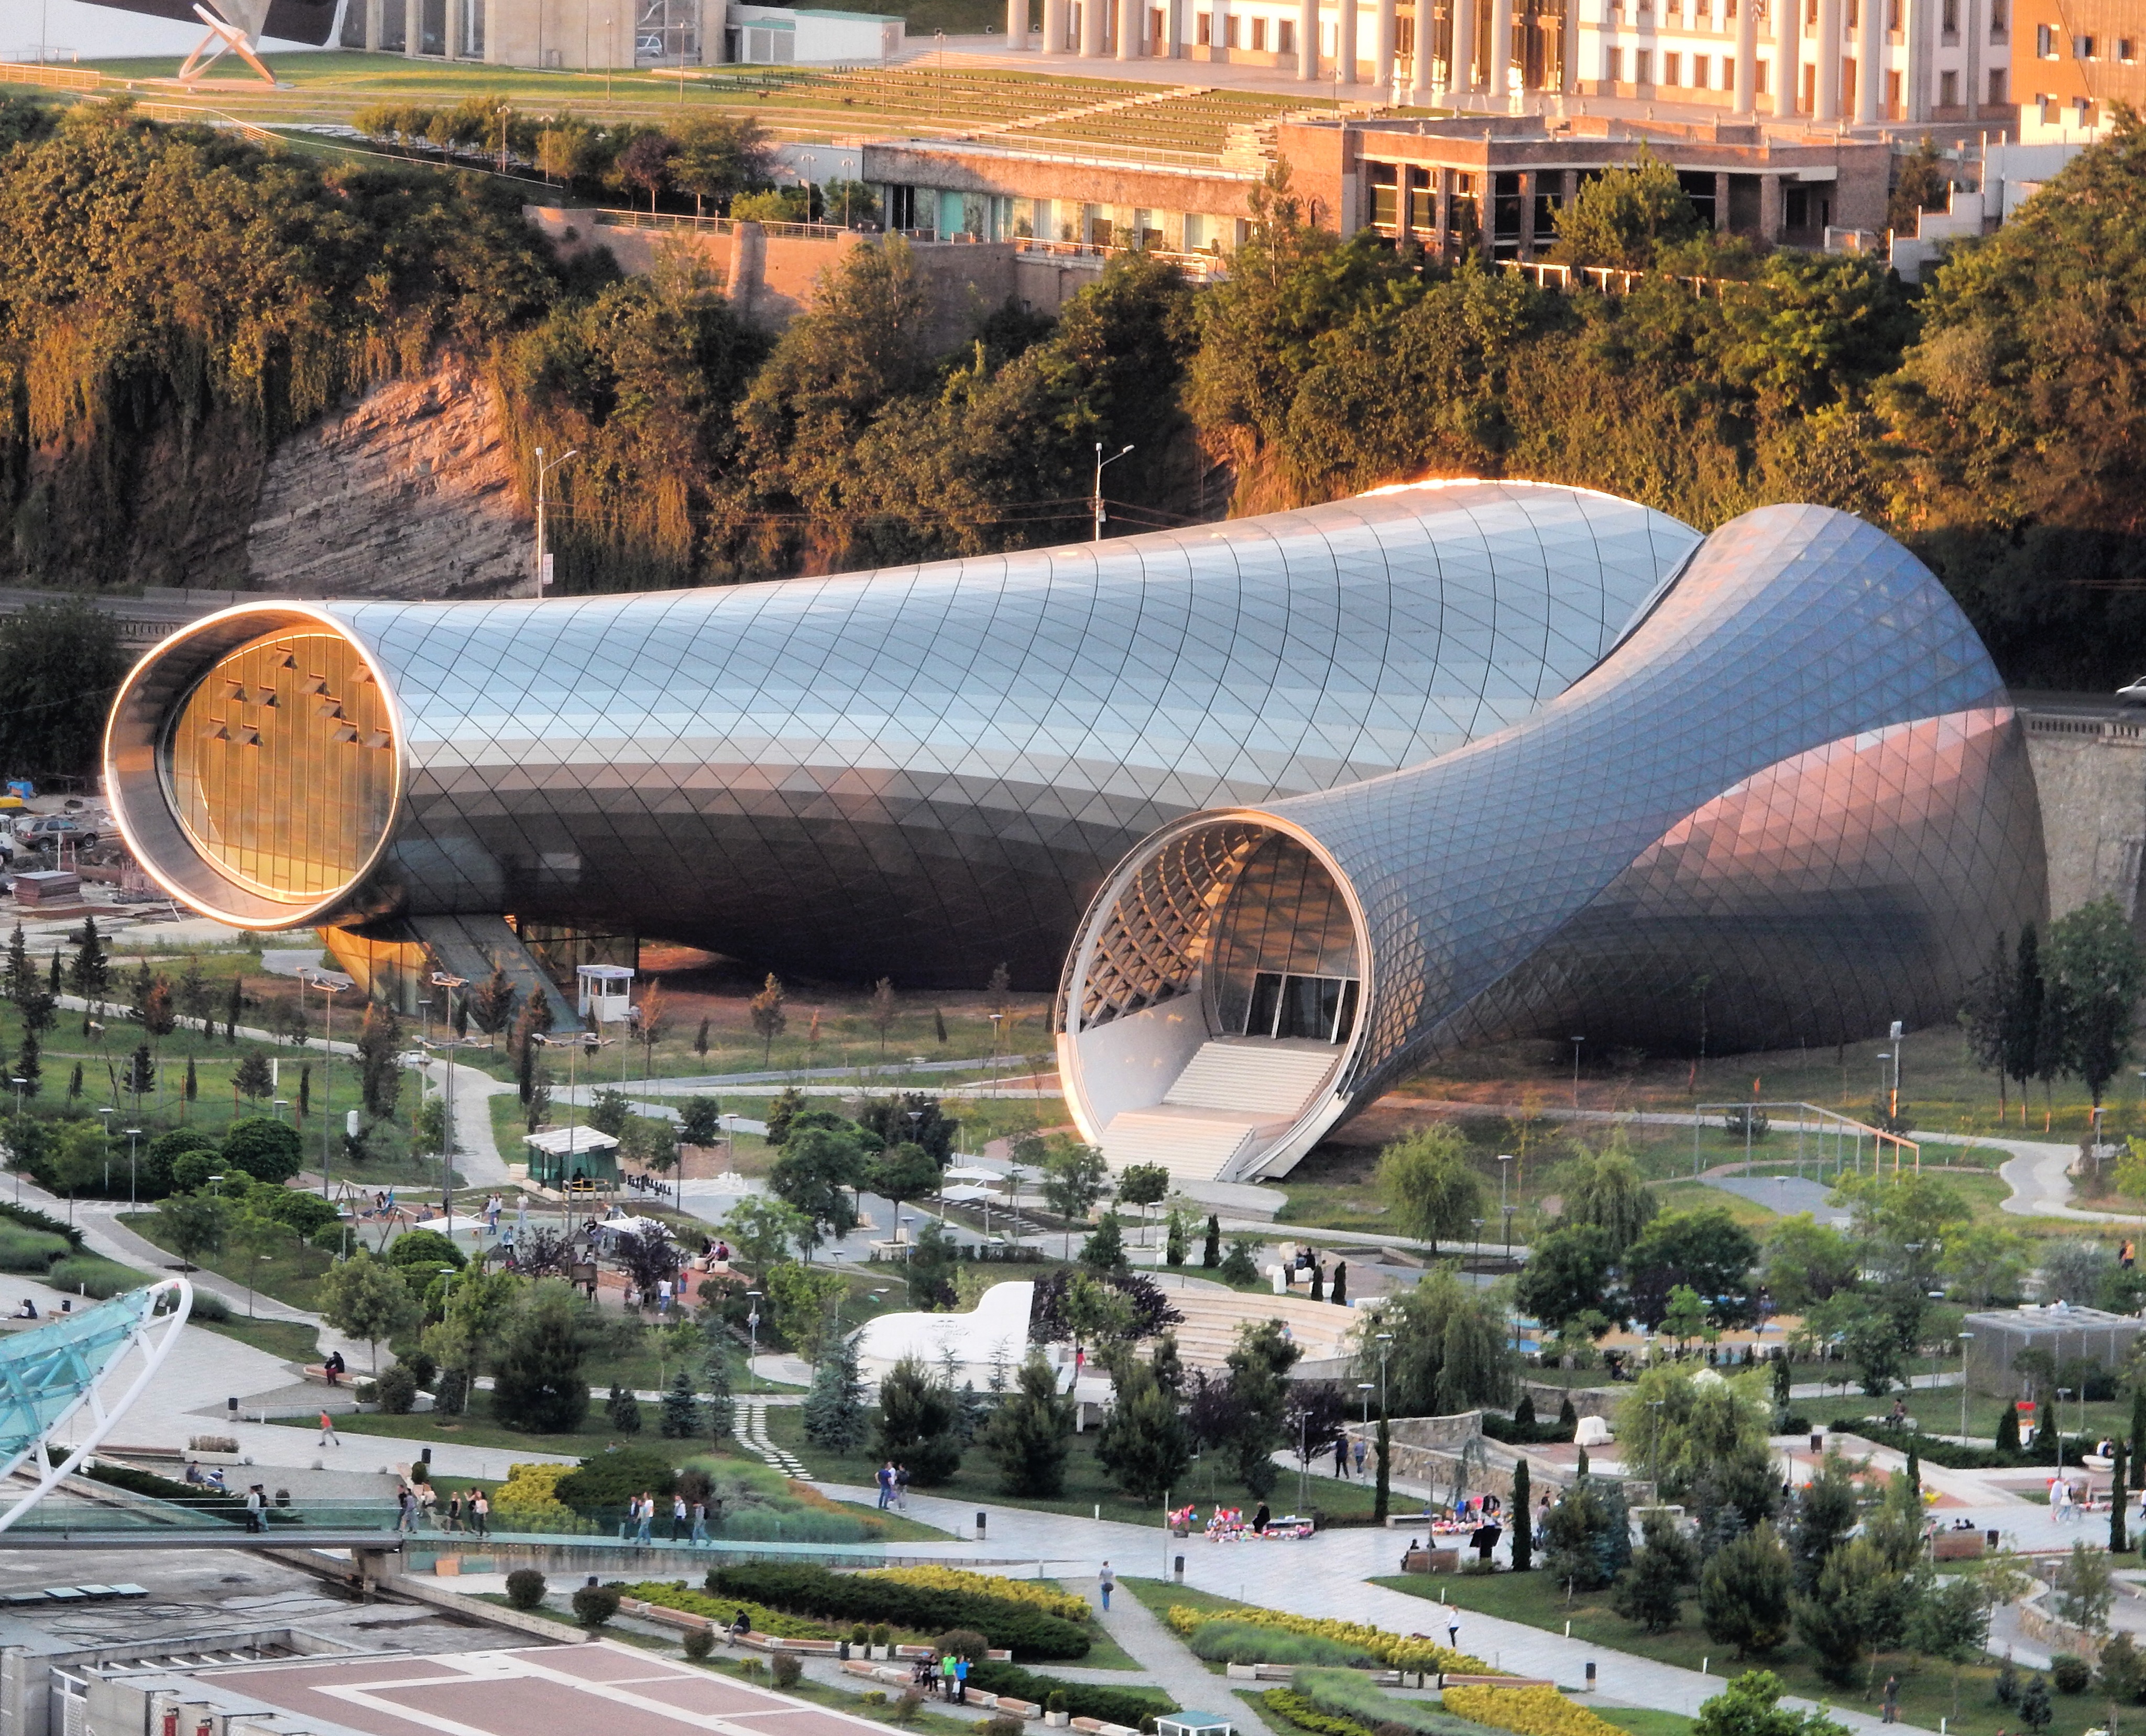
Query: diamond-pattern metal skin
x=923, y=772
x=1794, y=803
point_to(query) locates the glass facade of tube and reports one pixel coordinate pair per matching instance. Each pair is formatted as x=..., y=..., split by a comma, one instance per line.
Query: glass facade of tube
x=280, y=765
x=922, y=773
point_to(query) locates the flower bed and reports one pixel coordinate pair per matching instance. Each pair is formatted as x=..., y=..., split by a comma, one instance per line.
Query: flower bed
x=1529, y=1711
x=1043, y=1593
x=1345, y=1693
x=1083, y=1699
x=722, y=1611
x=1410, y=1652
x=1294, y=1709
x=801, y=1589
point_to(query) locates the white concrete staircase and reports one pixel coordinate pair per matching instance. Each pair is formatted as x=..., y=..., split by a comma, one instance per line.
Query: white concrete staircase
x=1231, y=1090
x=1212, y=1318
x=1255, y=1076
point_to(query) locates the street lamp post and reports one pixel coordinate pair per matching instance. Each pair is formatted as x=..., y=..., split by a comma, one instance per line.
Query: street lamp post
x=329, y=983
x=132, y=1134
x=752, y=1326
x=543, y=471
x=1963, y=1338
x=1899, y=1034
x=1576, y=1042
x=19, y=1083
x=1503, y=1172
x=1100, y=460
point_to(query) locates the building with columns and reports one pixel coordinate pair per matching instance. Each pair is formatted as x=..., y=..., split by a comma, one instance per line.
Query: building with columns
x=1864, y=62
x=574, y=35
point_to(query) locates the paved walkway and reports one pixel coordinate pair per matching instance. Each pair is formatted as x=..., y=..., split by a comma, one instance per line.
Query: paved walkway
x=1165, y=1660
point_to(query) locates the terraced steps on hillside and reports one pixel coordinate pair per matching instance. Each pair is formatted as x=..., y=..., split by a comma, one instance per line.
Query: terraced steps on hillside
x=1212, y=1318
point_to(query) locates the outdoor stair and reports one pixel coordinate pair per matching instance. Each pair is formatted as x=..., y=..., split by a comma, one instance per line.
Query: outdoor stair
x=1230, y=1091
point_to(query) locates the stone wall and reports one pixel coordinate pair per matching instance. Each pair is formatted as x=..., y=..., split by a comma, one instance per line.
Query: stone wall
x=2092, y=777
x=408, y=493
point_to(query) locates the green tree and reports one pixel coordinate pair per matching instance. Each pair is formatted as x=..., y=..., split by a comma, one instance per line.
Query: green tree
x=1651, y=1591
x=1567, y=1275
x=700, y=1118
x=2095, y=961
x=1430, y=1185
x=1258, y=1371
x=1029, y=1433
x=539, y=1384
x=1523, y=1547
x=2085, y=1589
x=62, y=662
x=1210, y=1247
x=1450, y=1350
x=919, y=1422
x=1606, y=1191
x=266, y=1149
x=1075, y=1177
x=1838, y=1620
x=367, y=1299
x=1825, y=1513
x=680, y=1419
x=1623, y=216
x=1750, y=1706
x=1744, y=1596
x=834, y=1412
x=380, y=1070
x=1685, y=1316
x=194, y=1225
x=802, y=1298
x=428, y=1128
x=89, y=971
x=1144, y=1185
x=719, y=155
x=250, y=1078
x=1104, y=1249
x=1587, y=1535
x=1707, y=1249
x=816, y=1176
x=902, y=1172
x=1806, y=1262
x=762, y=1232
x=1145, y=1443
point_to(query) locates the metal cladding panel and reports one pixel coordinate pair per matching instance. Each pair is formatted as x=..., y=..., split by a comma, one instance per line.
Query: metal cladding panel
x=923, y=772
x=1795, y=802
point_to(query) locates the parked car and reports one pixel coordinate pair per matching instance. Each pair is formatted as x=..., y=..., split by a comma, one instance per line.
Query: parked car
x=48, y=831
x=2133, y=693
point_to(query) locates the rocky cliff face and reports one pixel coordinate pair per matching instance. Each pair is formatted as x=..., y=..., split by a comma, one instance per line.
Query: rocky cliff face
x=409, y=492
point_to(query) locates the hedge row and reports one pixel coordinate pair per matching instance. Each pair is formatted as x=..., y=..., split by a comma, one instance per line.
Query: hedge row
x=808, y=1590
x=231, y=1508
x=1125, y=1706
x=1527, y=1711
x=1293, y=1709
x=30, y=1218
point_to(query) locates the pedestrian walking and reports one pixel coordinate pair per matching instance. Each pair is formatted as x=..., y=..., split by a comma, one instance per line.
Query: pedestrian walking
x=1340, y=1456
x=1106, y=1581
x=662, y=1297
x=886, y=1479
x=254, y=1505
x=960, y=1681
x=455, y=1511
x=947, y=1677
x=480, y=1512
x=406, y=1511
x=1889, y=1710
x=678, y=1527
x=647, y=1514
x=1360, y=1456
x=901, y=1488
x=329, y=1438
x=700, y=1522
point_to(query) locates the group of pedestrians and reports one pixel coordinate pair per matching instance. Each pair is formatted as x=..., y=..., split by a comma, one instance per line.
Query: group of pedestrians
x=467, y=1510
x=893, y=1480
x=689, y=1520
x=945, y=1673
x=1341, y=1450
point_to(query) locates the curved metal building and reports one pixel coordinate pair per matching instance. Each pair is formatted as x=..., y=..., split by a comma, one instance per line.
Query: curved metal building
x=918, y=773
x=1792, y=804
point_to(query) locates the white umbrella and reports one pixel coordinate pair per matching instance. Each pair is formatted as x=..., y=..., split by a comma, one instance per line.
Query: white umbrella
x=967, y=1194
x=971, y=1172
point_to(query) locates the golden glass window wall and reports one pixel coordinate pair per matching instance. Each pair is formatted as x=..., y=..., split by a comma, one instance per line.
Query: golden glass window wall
x=281, y=764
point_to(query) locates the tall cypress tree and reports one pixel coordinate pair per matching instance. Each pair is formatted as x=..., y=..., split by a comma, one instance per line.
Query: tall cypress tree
x=1383, y=1492
x=2118, y=1487
x=2023, y=1023
x=1524, y=1525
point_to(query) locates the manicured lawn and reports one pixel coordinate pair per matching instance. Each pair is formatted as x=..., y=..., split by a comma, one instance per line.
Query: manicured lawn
x=1089, y=1491
x=289, y=1339
x=1641, y=1721
x=1926, y=1686
x=289, y=1275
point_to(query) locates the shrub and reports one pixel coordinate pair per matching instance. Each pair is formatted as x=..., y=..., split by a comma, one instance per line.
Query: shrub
x=207, y=1305
x=962, y=1642
x=1106, y=1702
x=525, y=1588
x=788, y=1669
x=1414, y=1653
x=595, y=1604
x=93, y=1276
x=877, y=1697
x=30, y=1218
x=2070, y=1674
x=1293, y=1709
x=1531, y=1711
x=1346, y=1694
x=29, y=1250
x=266, y=1149
x=1228, y=1642
x=699, y=1643
x=810, y=1590
x=761, y=1619
x=881, y=1634
x=610, y=1479
x=426, y=1249
x=752, y=1667
x=1041, y=1592
x=1004, y=1723
x=909, y=1706
x=398, y=1389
